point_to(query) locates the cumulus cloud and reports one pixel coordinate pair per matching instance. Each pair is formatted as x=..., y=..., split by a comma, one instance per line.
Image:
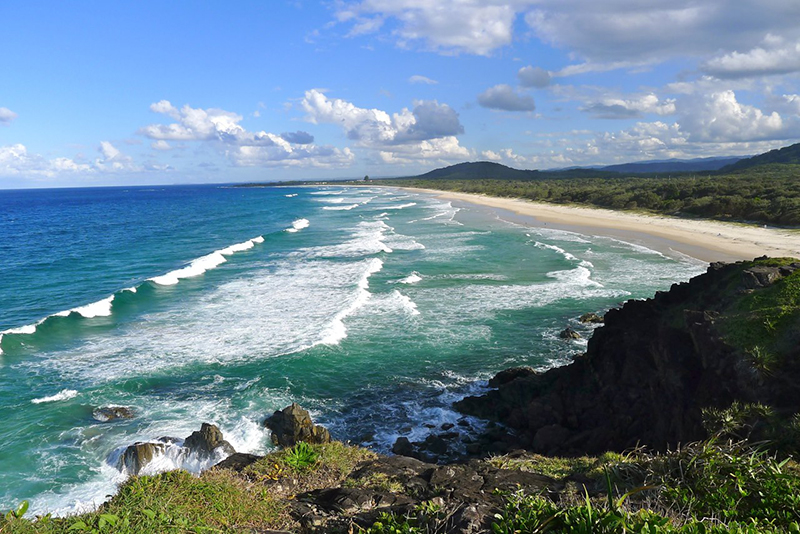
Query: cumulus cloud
x=113, y=160
x=15, y=160
x=160, y=145
x=418, y=78
x=720, y=117
x=620, y=108
x=775, y=56
x=533, y=77
x=427, y=132
x=298, y=137
x=601, y=32
x=6, y=116
x=504, y=97
x=454, y=26
x=508, y=157
x=243, y=148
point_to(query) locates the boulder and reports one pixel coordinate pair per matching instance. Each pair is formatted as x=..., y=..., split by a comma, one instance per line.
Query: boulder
x=292, y=425
x=402, y=447
x=206, y=441
x=109, y=413
x=569, y=333
x=591, y=317
x=238, y=461
x=137, y=456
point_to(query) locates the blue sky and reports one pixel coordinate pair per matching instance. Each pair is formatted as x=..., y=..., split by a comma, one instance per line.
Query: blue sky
x=118, y=93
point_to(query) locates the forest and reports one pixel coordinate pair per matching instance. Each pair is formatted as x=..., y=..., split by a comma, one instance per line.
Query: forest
x=764, y=194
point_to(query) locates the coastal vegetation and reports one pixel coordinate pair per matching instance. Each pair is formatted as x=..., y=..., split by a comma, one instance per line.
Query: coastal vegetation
x=767, y=194
x=715, y=486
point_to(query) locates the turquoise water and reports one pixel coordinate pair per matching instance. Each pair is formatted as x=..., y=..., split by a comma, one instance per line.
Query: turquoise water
x=374, y=308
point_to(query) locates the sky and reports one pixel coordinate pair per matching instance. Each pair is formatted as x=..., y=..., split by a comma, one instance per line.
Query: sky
x=120, y=93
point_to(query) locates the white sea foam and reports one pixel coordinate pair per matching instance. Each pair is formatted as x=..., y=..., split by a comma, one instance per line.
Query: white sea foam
x=101, y=308
x=64, y=394
x=298, y=225
x=333, y=200
x=368, y=237
x=560, y=250
x=204, y=263
x=412, y=278
x=579, y=276
x=404, y=302
x=340, y=208
x=336, y=331
x=328, y=192
x=400, y=207
x=291, y=195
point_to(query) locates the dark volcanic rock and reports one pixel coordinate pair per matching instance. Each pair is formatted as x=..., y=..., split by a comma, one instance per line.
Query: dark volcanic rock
x=510, y=374
x=137, y=456
x=648, y=372
x=292, y=425
x=569, y=333
x=206, y=441
x=468, y=495
x=238, y=461
x=109, y=413
x=591, y=317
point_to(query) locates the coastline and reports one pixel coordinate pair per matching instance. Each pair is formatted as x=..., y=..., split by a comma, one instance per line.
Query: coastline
x=704, y=239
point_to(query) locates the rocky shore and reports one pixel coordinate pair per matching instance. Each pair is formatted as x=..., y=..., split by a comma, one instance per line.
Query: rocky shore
x=714, y=361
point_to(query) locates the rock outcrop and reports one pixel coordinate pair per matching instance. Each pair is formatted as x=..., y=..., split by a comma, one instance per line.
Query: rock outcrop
x=206, y=441
x=292, y=425
x=591, y=317
x=569, y=333
x=135, y=457
x=110, y=413
x=656, y=364
x=466, y=495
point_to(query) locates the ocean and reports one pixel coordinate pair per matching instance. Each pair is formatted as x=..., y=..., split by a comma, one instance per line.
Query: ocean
x=374, y=308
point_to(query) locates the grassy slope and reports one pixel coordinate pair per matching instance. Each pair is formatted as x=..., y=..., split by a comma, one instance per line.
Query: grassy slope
x=730, y=487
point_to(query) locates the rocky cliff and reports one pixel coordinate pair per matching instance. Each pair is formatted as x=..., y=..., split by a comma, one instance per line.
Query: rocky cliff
x=716, y=354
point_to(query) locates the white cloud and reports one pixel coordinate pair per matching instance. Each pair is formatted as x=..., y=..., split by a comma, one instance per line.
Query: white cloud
x=113, y=160
x=160, y=145
x=720, y=117
x=6, y=116
x=454, y=26
x=504, y=97
x=15, y=160
x=606, y=31
x=775, y=56
x=418, y=78
x=626, y=108
x=427, y=132
x=507, y=157
x=533, y=77
x=620, y=30
x=242, y=147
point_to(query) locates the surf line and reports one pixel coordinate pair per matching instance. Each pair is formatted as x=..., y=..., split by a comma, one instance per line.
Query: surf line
x=102, y=307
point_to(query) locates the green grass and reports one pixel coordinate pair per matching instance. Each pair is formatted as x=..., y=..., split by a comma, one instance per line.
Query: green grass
x=219, y=500
x=216, y=501
x=764, y=323
x=558, y=467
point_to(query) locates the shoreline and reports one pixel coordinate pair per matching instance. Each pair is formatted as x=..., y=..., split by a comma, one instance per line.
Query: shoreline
x=703, y=239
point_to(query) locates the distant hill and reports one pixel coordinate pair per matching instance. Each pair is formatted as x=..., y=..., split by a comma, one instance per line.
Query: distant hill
x=479, y=170
x=786, y=155
x=673, y=165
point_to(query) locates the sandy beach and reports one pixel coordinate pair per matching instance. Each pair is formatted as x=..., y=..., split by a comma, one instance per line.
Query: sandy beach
x=702, y=239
